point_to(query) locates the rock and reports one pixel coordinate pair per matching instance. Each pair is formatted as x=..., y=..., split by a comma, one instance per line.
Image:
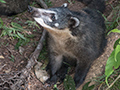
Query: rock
x=41, y=74
x=12, y=7
x=21, y=50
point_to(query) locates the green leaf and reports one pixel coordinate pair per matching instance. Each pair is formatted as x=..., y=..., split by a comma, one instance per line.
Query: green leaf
x=116, y=43
x=55, y=87
x=32, y=23
x=1, y=23
x=21, y=36
x=69, y=83
x=87, y=87
x=15, y=24
x=17, y=27
x=111, y=62
x=114, y=30
x=21, y=42
x=109, y=66
x=2, y=1
x=18, y=44
x=117, y=50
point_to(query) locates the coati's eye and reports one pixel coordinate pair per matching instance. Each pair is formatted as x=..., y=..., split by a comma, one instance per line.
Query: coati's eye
x=53, y=17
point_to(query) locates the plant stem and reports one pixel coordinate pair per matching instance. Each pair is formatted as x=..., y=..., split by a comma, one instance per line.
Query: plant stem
x=113, y=82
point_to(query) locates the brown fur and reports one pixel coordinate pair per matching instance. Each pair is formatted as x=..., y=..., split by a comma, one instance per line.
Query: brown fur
x=61, y=40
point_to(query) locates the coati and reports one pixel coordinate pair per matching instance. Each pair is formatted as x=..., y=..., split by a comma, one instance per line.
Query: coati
x=76, y=38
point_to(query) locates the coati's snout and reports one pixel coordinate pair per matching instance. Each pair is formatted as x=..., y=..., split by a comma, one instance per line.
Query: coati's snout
x=44, y=17
x=37, y=12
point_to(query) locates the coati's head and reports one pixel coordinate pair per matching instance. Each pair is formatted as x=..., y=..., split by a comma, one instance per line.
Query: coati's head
x=55, y=18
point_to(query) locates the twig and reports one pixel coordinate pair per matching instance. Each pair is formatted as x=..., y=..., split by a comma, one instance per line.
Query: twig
x=37, y=51
x=42, y=3
x=113, y=82
x=2, y=67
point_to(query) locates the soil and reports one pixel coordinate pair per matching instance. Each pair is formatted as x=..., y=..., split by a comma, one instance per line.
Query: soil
x=7, y=46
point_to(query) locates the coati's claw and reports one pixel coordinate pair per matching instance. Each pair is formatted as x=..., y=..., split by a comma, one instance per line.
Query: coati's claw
x=52, y=80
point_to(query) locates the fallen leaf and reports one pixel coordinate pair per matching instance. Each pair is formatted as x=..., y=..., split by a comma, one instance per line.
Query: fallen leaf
x=1, y=57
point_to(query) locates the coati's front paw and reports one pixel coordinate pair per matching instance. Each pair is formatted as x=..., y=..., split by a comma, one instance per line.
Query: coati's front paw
x=47, y=68
x=53, y=80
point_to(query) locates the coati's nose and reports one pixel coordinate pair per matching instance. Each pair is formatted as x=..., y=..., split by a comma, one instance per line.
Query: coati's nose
x=33, y=11
x=30, y=9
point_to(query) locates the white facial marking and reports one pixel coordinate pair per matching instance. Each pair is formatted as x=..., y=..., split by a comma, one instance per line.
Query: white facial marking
x=41, y=22
x=56, y=24
x=47, y=11
x=49, y=19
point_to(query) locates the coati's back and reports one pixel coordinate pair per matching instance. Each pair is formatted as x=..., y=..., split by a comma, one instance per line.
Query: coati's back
x=95, y=4
x=75, y=36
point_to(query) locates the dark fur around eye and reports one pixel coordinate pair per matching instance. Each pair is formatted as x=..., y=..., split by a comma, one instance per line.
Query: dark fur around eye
x=53, y=17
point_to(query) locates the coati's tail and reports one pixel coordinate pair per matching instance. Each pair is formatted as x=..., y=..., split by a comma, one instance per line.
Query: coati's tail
x=95, y=4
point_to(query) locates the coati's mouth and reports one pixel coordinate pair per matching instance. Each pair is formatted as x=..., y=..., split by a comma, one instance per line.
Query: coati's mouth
x=46, y=15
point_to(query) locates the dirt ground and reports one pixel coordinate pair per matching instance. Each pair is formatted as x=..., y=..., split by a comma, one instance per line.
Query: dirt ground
x=20, y=60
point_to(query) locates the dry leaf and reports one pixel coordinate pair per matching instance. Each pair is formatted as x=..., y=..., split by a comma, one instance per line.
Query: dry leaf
x=1, y=57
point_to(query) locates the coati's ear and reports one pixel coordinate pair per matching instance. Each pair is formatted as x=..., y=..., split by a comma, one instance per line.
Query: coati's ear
x=74, y=22
x=64, y=5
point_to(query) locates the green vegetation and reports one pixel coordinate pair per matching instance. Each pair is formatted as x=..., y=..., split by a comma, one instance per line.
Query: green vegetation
x=114, y=22
x=71, y=1
x=16, y=31
x=55, y=87
x=69, y=83
x=87, y=87
x=2, y=1
x=43, y=54
x=12, y=58
x=32, y=24
x=112, y=68
x=48, y=3
x=113, y=61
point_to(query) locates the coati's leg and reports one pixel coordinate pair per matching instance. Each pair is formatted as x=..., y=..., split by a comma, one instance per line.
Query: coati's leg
x=67, y=62
x=55, y=62
x=80, y=73
x=61, y=73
